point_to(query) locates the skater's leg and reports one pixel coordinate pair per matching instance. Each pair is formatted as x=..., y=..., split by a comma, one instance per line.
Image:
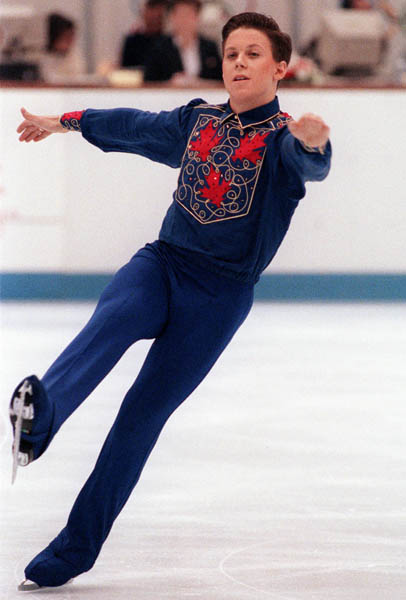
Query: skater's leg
x=179, y=359
x=132, y=307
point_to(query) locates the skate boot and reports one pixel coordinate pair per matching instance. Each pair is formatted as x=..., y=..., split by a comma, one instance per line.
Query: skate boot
x=31, y=417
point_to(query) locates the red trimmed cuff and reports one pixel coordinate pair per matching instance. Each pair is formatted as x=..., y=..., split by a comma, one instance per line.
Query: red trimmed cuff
x=71, y=120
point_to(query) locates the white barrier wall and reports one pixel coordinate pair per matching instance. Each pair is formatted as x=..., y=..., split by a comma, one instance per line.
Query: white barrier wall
x=66, y=206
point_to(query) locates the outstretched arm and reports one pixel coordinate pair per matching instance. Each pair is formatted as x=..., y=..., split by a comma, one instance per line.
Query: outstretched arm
x=161, y=137
x=35, y=128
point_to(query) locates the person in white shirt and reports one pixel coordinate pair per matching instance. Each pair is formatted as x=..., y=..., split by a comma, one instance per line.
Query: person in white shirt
x=62, y=61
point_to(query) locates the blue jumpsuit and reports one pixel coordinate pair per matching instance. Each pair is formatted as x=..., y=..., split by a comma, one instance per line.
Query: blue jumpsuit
x=241, y=177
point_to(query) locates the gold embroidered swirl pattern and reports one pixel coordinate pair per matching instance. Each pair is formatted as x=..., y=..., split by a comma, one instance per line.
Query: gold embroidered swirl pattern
x=220, y=169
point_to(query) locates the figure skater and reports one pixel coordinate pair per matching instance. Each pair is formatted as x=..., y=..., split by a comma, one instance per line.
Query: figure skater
x=243, y=167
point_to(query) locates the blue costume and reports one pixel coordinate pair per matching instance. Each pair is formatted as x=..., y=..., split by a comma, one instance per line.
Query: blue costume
x=241, y=177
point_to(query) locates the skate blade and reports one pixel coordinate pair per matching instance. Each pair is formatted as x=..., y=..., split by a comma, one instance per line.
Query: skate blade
x=28, y=586
x=31, y=586
x=17, y=440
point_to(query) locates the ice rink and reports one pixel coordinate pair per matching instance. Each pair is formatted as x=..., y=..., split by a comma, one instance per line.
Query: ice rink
x=283, y=476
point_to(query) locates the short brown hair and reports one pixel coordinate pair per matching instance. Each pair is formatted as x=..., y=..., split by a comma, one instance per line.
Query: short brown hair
x=281, y=43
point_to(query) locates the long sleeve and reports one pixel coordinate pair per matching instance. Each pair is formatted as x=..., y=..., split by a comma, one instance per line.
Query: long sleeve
x=161, y=137
x=300, y=165
x=311, y=166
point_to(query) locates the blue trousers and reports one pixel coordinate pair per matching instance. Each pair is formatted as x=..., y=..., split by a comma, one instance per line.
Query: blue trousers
x=191, y=314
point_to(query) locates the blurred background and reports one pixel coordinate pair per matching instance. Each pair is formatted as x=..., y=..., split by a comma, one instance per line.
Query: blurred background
x=89, y=41
x=70, y=215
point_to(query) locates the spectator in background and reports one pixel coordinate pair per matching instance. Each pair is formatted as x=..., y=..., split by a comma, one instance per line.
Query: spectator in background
x=386, y=7
x=62, y=60
x=393, y=62
x=185, y=56
x=138, y=44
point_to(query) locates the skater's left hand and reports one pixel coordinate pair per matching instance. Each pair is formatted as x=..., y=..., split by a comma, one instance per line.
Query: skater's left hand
x=311, y=130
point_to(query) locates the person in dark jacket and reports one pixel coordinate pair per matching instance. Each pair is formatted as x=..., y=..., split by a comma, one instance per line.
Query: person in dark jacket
x=137, y=45
x=184, y=56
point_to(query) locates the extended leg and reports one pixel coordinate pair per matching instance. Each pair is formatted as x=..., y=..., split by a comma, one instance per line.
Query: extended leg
x=179, y=359
x=133, y=306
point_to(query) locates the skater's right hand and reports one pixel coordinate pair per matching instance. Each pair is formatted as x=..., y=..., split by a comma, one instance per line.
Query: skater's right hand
x=36, y=128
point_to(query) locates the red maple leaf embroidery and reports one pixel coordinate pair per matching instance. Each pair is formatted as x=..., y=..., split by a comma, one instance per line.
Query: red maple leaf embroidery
x=251, y=148
x=215, y=188
x=208, y=139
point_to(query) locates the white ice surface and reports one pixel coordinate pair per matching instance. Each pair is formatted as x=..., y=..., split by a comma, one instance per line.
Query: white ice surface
x=283, y=476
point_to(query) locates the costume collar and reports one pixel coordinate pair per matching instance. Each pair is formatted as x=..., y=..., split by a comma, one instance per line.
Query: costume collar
x=255, y=116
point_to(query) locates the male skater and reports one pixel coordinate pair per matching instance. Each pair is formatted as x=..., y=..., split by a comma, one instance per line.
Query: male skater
x=243, y=167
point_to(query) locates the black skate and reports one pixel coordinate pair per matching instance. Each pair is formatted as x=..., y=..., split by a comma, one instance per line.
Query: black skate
x=22, y=417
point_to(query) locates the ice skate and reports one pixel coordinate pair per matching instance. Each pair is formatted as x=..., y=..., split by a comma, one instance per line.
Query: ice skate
x=22, y=417
x=31, y=418
x=30, y=586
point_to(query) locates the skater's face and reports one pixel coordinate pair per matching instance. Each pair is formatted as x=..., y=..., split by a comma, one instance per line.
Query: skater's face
x=250, y=72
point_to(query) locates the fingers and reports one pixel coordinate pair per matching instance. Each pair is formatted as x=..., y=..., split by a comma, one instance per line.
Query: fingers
x=310, y=129
x=307, y=122
x=25, y=129
x=30, y=117
x=32, y=133
x=30, y=129
x=28, y=132
x=23, y=125
x=42, y=136
x=293, y=127
x=29, y=125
